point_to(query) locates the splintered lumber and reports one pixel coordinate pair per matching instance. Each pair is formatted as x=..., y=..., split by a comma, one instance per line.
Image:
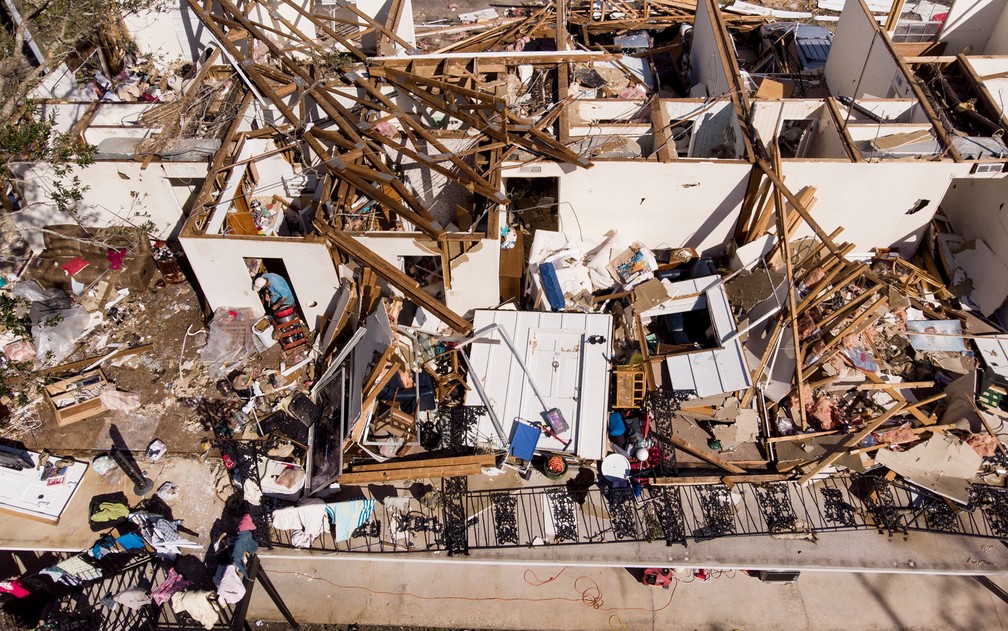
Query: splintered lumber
x=392, y=275
x=483, y=460
x=705, y=454
x=784, y=242
x=418, y=470
x=854, y=439
x=898, y=385
x=798, y=206
x=916, y=430
x=84, y=363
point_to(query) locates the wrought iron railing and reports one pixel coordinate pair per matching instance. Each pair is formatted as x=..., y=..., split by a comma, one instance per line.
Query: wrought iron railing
x=463, y=520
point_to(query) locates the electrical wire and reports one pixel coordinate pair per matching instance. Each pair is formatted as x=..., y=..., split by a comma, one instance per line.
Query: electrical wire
x=590, y=594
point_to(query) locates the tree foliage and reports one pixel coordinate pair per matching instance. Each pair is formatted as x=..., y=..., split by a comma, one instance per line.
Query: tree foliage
x=60, y=28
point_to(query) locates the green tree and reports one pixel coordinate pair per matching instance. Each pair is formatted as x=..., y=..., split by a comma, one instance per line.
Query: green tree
x=59, y=28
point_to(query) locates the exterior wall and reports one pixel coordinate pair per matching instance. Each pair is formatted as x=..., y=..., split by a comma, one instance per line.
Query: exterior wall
x=219, y=266
x=118, y=193
x=673, y=204
x=870, y=200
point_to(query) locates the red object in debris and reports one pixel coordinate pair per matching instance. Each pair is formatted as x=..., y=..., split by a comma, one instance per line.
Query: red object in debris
x=228, y=462
x=659, y=577
x=74, y=265
x=703, y=575
x=116, y=258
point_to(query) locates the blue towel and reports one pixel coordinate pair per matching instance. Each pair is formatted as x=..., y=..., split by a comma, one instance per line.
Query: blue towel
x=130, y=541
x=349, y=516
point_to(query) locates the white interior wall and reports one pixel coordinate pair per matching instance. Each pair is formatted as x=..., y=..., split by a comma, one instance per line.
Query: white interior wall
x=95, y=135
x=439, y=194
x=973, y=23
x=276, y=15
x=859, y=62
x=871, y=132
x=686, y=109
x=170, y=34
x=631, y=131
x=219, y=266
x=118, y=193
x=893, y=110
x=766, y=117
x=997, y=85
x=717, y=127
x=976, y=208
x=379, y=9
x=998, y=42
x=473, y=276
x=606, y=110
x=119, y=114
x=673, y=204
x=706, y=66
x=870, y=200
x=61, y=84
x=827, y=142
x=64, y=114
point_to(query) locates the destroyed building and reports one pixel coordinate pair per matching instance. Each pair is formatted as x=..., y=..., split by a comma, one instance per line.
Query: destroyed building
x=651, y=275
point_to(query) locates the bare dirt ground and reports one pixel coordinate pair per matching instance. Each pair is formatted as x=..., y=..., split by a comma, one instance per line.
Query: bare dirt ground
x=179, y=402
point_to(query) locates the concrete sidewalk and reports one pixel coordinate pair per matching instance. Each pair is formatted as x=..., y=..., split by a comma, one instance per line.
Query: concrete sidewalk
x=326, y=590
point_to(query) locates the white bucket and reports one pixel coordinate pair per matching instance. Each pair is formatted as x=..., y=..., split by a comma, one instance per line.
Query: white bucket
x=263, y=332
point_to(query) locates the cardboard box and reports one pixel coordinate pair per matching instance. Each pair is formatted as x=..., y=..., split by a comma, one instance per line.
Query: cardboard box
x=77, y=398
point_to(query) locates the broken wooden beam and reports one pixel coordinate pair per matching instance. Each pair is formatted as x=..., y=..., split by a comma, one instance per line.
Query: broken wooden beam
x=351, y=247
x=705, y=455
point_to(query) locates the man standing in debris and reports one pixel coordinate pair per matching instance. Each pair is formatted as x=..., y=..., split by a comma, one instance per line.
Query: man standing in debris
x=279, y=294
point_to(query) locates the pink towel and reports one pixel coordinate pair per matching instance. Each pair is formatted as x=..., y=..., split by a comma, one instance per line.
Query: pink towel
x=246, y=523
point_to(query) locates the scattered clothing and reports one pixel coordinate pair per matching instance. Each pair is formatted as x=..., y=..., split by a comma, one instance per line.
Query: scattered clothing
x=193, y=570
x=13, y=588
x=134, y=598
x=103, y=546
x=172, y=584
x=349, y=516
x=130, y=541
x=246, y=523
x=116, y=258
x=252, y=492
x=245, y=546
x=197, y=604
x=307, y=520
x=230, y=587
x=53, y=573
x=110, y=512
x=108, y=545
x=156, y=528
